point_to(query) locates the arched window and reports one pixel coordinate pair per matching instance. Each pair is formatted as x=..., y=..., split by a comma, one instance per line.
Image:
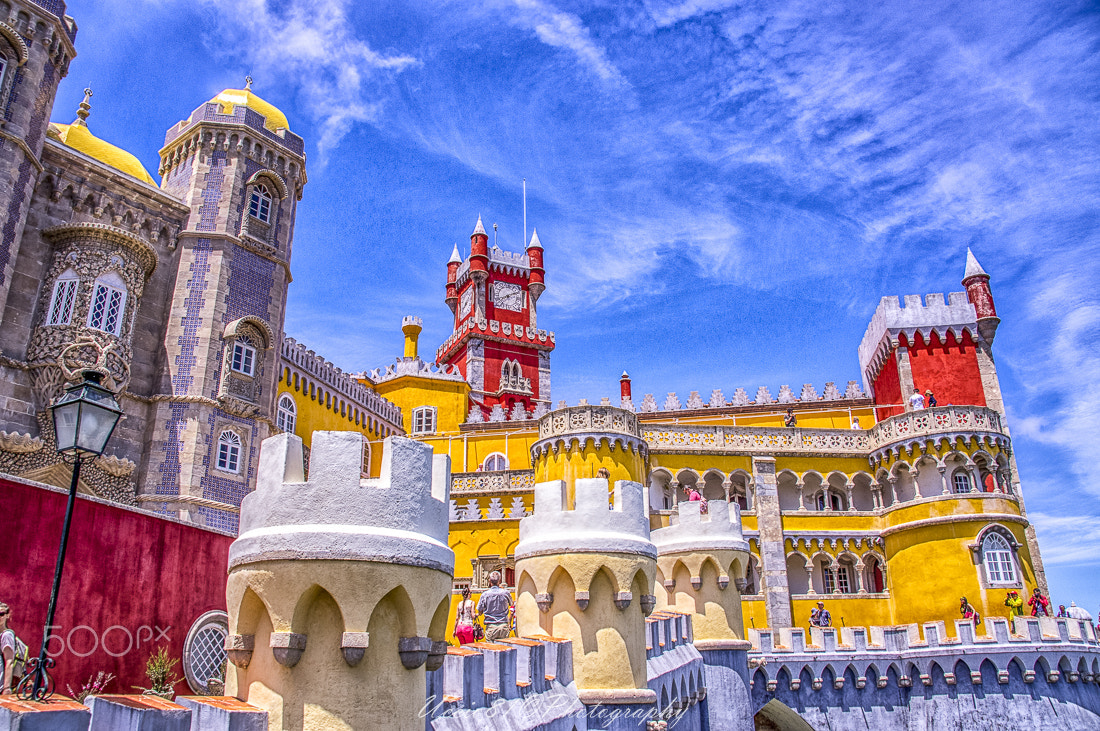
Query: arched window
x=108, y=303
x=873, y=578
x=961, y=482
x=244, y=356
x=259, y=203
x=1000, y=568
x=835, y=503
x=845, y=578
x=287, y=413
x=495, y=462
x=64, y=297
x=229, y=452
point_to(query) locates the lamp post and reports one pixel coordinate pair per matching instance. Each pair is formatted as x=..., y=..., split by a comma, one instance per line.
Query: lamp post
x=83, y=420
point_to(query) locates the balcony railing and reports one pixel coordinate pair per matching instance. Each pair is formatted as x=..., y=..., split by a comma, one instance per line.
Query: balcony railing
x=505, y=481
x=796, y=440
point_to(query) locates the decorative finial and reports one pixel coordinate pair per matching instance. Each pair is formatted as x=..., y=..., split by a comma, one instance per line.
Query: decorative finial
x=85, y=108
x=248, y=82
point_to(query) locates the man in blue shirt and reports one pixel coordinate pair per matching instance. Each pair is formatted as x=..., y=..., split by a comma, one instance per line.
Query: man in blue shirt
x=494, y=605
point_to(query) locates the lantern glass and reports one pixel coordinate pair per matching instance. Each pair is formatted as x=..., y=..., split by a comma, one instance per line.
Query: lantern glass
x=85, y=417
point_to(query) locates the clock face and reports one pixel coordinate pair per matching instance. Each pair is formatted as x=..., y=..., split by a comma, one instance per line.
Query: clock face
x=467, y=302
x=508, y=296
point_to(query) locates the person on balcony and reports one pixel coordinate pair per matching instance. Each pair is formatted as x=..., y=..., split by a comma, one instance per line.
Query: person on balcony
x=967, y=610
x=916, y=401
x=930, y=398
x=1015, y=604
x=789, y=419
x=824, y=619
x=1040, y=605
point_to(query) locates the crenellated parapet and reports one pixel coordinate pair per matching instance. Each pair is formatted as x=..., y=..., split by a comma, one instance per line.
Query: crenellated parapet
x=339, y=583
x=697, y=556
x=882, y=668
x=399, y=517
x=585, y=565
x=955, y=316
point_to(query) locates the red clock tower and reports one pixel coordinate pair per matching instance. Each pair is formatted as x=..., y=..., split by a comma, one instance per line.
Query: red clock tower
x=496, y=343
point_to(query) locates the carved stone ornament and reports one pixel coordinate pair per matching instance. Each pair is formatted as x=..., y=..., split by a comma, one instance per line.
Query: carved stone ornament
x=116, y=466
x=239, y=649
x=544, y=601
x=436, y=655
x=19, y=443
x=287, y=647
x=414, y=651
x=354, y=646
x=623, y=599
x=647, y=602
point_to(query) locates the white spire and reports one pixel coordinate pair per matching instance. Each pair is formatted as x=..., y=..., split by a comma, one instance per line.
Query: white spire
x=479, y=229
x=455, y=257
x=535, y=243
x=973, y=268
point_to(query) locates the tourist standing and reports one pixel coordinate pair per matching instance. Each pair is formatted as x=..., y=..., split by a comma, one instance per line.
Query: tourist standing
x=789, y=419
x=930, y=398
x=824, y=619
x=1014, y=603
x=1040, y=605
x=464, y=618
x=916, y=401
x=495, y=606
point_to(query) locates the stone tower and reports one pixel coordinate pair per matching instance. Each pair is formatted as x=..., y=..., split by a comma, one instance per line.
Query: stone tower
x=496, y=343
x=240, y=170
x=36, y=46
x=339, y=587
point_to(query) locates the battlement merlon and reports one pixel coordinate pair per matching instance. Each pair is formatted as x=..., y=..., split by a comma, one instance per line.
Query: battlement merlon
x=401, y=517
x=593, y=525
x=891, y=319
x=694, y=532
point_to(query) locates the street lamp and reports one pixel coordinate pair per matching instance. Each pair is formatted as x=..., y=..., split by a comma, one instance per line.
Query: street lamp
x=83, y=420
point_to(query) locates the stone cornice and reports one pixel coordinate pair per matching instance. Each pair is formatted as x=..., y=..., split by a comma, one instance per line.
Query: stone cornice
x=16, y=41
x=953, y=519
x=145, y=253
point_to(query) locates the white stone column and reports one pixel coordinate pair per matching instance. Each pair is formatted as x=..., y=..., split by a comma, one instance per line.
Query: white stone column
x=943, y=480
x=850, y=487
x=801, y=495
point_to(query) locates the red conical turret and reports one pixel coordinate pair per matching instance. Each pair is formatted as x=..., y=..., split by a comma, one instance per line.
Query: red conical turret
x=978, y=292
x=479, y=250
x=452, y=276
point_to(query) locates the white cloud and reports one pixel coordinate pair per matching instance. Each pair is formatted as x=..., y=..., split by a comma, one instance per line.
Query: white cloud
x=312, y=45
x=1068, y=540
x=565, y=30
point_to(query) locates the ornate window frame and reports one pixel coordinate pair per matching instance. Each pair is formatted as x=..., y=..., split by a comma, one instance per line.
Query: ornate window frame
x=243, y=337
x=979, y=552
x=66, y=288
x=107, y=305
x=228, y=450
x=956, y=482
x=263, y=193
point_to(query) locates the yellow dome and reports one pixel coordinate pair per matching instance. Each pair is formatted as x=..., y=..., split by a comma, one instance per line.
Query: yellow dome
x=80, y=138
x=274, y=120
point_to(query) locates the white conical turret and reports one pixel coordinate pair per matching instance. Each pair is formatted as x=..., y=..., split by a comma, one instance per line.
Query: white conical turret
x=479, y=229
x=535, y=243
x=973, y=268
x=456, y=258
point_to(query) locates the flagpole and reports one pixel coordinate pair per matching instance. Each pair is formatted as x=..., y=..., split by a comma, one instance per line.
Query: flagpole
x=525, y=213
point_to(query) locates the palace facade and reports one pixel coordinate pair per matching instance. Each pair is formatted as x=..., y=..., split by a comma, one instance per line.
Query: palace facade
x=176, y=291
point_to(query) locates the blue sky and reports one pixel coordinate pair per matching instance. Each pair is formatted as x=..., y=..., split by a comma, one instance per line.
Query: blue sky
x=724, y=190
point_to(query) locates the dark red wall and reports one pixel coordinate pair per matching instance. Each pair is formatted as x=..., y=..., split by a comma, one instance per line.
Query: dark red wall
x=949, y=368
x=124, y=569
x=887, y=389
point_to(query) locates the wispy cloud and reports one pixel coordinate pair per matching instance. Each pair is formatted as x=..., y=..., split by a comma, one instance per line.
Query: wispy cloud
x=566, y=31
x=1068, y=540
x=315, y=47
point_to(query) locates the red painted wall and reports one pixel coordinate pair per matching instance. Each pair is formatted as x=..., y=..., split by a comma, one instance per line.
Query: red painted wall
x=125, y=570
x=887, y=389
x=949, y=368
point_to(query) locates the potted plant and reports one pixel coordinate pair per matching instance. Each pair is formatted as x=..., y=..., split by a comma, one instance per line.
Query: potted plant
x=159, y=669
x=92, y=686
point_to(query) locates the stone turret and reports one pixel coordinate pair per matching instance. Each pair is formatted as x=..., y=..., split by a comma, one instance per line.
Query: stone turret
x=700, y=564
x=339, y=587
x=585, y=570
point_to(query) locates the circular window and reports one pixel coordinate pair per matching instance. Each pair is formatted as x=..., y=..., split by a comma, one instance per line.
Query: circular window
x=204, y=653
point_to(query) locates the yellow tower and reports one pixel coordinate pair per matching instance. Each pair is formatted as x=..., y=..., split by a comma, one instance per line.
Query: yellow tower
x=585, y=563
x=411, y=327
x=323, y=565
